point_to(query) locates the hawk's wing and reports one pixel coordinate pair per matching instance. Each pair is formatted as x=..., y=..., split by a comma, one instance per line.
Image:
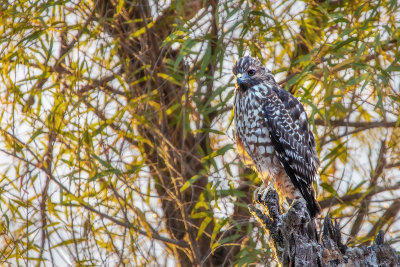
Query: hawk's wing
x=242, y=152
x=292, y=139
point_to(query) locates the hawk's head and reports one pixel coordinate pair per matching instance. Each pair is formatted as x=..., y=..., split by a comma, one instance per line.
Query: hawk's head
x=249, y=71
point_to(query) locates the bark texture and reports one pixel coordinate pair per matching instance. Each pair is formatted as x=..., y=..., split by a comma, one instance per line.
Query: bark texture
x=296, y=242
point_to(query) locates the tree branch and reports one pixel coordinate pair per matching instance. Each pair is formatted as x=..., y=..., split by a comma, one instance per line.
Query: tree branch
x=332, y=201
x=357, y=124
x=387, y=217
x=363, y=211
x=296, y=243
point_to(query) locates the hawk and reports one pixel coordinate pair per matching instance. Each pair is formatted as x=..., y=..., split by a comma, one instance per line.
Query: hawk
x=272, y=133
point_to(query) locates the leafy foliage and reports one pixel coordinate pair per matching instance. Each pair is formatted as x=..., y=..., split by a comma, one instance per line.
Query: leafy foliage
x=116, y=125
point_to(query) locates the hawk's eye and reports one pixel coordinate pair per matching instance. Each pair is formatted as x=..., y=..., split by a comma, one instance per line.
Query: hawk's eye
x=251, y=72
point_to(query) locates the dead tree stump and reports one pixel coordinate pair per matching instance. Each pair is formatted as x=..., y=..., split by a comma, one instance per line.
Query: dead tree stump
x=296, y=242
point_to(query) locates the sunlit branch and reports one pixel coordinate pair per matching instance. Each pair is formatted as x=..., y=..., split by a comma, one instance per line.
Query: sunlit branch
x=328, y=202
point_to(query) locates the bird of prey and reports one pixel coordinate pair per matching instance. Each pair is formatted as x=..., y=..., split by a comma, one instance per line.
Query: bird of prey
x=273, y=135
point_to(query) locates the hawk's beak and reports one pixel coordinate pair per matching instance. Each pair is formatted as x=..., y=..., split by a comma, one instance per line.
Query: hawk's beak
x=239, y=79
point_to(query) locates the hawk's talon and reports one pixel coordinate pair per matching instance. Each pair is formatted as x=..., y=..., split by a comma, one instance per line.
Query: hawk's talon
x=260, y=194
x=265, y=192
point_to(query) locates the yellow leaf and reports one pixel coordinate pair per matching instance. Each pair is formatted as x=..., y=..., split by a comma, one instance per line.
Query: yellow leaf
x=169, y=78
x=142, y=30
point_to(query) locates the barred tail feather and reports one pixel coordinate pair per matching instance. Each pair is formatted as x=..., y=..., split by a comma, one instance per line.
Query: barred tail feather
x=312, y=204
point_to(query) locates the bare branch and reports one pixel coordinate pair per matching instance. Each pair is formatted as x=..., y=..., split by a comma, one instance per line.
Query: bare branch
x=387, y=217
x=357, y=124
x=325, y=203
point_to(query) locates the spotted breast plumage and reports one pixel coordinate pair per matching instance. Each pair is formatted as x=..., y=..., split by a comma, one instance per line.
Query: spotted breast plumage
x=272, y=133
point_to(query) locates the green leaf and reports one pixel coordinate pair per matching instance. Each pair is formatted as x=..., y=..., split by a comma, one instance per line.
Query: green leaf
x=339, y=45
x=219, y=152
x=208, y=130
x=328, y=188
x=69, y=242
x=203, y=226
x=191, y=181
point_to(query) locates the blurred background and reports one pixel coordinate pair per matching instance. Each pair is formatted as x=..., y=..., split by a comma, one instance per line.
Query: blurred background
x=116, y=135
